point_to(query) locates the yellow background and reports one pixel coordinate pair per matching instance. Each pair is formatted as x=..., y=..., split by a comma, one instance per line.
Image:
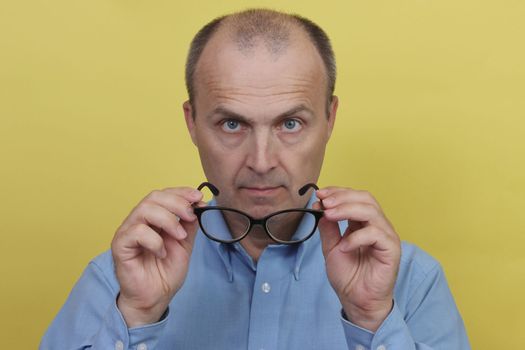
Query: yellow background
x=431, y=121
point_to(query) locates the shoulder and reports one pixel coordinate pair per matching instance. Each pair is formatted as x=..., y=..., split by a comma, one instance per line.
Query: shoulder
x=103, y=261
x=104, y=268
x=416, y=258
x=418, y=271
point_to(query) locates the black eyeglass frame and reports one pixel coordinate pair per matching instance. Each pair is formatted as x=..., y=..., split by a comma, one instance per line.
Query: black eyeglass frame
x=318, y=214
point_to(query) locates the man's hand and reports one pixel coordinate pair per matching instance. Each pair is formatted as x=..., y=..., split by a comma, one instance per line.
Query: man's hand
x=362, y=264
x=151, y=250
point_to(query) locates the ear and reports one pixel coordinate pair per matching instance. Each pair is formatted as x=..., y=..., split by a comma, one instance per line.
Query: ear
x=190, y=122
x=331, y=118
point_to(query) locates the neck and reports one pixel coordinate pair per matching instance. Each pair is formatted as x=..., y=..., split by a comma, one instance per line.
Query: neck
x=255, y=242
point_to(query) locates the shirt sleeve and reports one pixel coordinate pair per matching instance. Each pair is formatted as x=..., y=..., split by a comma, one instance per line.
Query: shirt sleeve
x=430, y=321
x=90, y=319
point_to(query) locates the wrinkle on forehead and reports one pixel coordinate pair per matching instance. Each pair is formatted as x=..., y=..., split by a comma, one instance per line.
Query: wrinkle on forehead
x=224, y=72
x=250, y=96
x=217, y=87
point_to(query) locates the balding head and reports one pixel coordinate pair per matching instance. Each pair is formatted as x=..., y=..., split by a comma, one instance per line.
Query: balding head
x=252, y=28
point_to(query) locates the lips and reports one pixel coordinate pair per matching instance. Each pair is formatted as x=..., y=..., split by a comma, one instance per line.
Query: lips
x=261, y=191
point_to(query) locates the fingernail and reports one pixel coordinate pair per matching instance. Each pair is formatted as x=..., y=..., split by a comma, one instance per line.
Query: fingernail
x=190, y=212
x=163, y=253
x=196, y=193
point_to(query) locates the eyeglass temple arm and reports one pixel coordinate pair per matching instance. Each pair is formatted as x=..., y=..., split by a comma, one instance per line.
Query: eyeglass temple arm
x=306, y=187
x=210, y=186
x=215, y=190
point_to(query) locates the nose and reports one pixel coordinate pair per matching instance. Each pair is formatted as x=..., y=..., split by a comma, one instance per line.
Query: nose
x=262, y=157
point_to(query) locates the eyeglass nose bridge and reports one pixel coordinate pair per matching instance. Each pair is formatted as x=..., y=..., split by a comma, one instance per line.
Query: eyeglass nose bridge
x=263, y=224
x=255, y=222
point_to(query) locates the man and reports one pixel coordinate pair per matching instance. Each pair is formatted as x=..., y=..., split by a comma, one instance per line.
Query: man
x=260, y=111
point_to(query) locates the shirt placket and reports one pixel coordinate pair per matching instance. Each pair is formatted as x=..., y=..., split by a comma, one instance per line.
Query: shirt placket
x=273, y=268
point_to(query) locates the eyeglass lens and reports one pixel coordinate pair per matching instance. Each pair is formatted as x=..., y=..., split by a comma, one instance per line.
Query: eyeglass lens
x=282, y=226
x=238, y=224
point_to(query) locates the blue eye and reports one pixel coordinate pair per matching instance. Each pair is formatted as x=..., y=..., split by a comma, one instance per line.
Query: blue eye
x=231, y=125
x=291, y=125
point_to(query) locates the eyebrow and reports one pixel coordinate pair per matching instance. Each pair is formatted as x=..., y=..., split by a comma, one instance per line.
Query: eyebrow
x=225, y=112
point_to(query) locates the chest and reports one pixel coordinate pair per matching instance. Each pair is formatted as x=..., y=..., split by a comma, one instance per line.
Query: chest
x=271, y=307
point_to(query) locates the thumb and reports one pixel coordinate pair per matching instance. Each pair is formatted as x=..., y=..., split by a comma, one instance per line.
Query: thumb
x=329, y=232
x=172, y=244
x=191, y=230
x=191, y=227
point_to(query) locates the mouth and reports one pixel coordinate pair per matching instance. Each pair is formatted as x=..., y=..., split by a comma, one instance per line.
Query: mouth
x=263, y=191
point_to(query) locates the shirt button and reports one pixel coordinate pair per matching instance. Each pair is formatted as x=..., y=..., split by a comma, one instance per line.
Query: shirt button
x=359, y=347
x=381, y=347
x=266, y=287
x=119, y=345
x=142, y=346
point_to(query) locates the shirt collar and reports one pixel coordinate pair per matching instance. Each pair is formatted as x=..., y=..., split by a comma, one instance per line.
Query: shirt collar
x=225, y=250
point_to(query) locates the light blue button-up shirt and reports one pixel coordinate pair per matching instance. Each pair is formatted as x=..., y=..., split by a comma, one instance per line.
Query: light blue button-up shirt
x=285, y=301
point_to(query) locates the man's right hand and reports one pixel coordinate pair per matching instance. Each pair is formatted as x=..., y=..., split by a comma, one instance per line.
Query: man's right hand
x=152, y=250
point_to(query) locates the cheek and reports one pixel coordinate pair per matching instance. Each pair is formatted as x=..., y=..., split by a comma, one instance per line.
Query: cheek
x=304, y=159
x=219, y=163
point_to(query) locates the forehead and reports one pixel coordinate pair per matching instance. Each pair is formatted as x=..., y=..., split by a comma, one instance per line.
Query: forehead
x=226, y=74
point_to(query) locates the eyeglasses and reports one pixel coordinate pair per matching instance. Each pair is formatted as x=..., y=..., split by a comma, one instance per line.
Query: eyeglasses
x=278, y=226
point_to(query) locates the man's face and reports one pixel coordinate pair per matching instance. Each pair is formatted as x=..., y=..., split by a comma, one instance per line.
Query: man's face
x=260, y=125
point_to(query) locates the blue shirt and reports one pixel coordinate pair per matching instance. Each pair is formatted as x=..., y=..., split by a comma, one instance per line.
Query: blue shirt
x=285, y=301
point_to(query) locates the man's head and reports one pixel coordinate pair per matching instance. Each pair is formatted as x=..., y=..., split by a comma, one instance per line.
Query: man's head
x=261, y=107
x=273, y=28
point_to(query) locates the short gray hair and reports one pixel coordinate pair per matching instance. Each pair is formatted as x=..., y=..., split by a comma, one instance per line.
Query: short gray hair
x=273, y=28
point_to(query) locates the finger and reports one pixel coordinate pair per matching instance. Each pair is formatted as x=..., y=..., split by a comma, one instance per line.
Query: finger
x=188, y=193
x=369, y=236
x=139, y=236
x=336, y=196
x=359, y=214
x=200, y=204
x=327, y=191
x=176, y=203
x=160, y=217
x=172, y=199
x=352, y=211
x=172, y=244
x=191, y=228
x=332, y=189
x=329, y=232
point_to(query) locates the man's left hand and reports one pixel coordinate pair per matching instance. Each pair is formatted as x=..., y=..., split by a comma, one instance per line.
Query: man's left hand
x=361, y=264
